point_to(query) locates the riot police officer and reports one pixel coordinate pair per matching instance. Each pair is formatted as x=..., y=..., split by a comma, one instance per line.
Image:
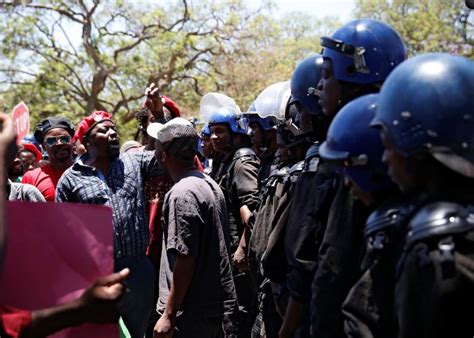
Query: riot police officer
x=356, y=149
x=425, y=117
x=307, y=202
x=263, y=125
x=272, y=105
x=357, y=59
x=207, y=152
x=263, y=135
x=237, y=177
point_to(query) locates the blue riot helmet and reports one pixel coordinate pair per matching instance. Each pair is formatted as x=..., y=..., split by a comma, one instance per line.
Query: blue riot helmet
x=352, y=144
x=230, y=116
x=426, y=105
x=304, y=81
x=364, y=51
x=206, y=131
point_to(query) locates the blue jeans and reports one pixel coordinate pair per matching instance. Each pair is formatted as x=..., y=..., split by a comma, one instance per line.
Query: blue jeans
x=137, y=304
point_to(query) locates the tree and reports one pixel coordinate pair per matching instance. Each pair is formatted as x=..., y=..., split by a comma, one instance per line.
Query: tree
x=122, y=48
x=282, y=43
x=70, y=57
x=425, y=26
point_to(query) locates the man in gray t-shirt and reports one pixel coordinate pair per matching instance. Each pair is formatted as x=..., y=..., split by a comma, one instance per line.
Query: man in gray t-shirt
x=23, y=192
x=195, y=271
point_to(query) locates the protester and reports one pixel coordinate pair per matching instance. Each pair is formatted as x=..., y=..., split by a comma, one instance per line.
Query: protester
x=156, y=108
x=195, y=270
x=55, y=134
x=131, y=146
x=23, y=192
x=163, y=109
x=98, y=304
x=103, y=176
x=16, y=169
x=27, y=158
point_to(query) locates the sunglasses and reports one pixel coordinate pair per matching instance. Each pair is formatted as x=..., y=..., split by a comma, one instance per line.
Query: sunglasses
x=51, y=141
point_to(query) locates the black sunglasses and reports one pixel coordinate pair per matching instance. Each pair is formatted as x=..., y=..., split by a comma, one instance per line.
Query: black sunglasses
x=53, y=140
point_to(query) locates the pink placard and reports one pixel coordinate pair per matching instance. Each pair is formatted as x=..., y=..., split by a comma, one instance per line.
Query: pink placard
x=55, y=251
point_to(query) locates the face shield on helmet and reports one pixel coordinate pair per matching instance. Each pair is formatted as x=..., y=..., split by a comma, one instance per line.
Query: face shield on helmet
x=364, y=51
x=353, y=145
x=272, y=106
x=272, y=101
x=213, y=101
x=252, y=116
x=268, y=110
x=426, y=106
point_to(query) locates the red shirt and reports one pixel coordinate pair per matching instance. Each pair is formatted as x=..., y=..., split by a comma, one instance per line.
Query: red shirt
x=13, y=321
x=45, y=179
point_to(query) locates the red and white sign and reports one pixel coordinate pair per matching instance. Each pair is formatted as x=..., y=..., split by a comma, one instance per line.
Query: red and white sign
x=21, y=121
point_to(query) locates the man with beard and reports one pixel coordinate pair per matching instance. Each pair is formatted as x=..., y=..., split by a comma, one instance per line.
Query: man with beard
x=55, y=134
x=106, y=177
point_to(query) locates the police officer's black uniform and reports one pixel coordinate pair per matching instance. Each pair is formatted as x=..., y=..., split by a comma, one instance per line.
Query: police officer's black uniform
x=237, y=177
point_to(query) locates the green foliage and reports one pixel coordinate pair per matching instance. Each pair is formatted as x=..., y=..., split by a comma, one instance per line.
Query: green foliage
x=188, y=51
x=65, y=58
x=425, y=26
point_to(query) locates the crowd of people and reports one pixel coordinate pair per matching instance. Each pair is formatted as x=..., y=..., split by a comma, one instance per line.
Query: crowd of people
x=338, y=205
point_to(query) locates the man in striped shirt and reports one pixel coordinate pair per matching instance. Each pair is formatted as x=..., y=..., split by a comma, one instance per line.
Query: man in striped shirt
x=106, y=177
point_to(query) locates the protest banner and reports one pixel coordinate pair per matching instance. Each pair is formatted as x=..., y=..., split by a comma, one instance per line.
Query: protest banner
x=55, y=251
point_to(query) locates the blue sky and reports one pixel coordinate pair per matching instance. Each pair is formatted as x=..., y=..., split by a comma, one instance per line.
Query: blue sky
x=318, y=8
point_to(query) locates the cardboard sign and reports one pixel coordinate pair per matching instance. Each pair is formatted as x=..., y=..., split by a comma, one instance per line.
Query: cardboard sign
x=55, y=251
x=21, y=121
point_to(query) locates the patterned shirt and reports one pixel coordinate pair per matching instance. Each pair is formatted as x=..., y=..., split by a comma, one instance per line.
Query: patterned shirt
x=122, y=190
